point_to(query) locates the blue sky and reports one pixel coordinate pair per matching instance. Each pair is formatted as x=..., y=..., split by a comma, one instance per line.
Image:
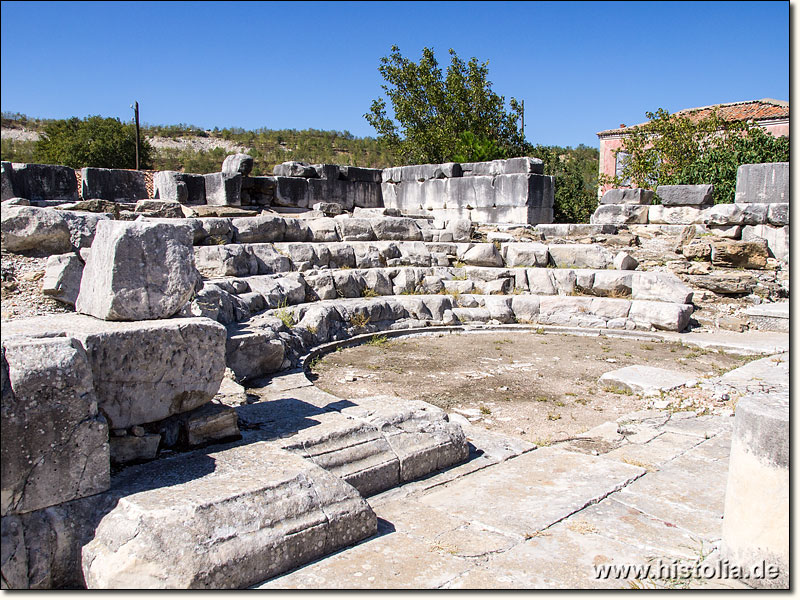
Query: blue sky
x=581, y=67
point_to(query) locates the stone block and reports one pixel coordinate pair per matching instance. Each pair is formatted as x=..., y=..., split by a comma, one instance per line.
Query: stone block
x=354, y=230
x=294, y=169
x=263, y=228
x=751, y=254
x=581, y=256
x=291, y=192
x=647, y=381
x=54, y=442
x=531, y=190
x=660, y=315
x=223, y=189
x=28, y=228
x=675, y=215
x=43, y=182
x=777, y=239
x=119, y=185
x=764, y=183
x=483, y=255
x=237, y=163
x=686, y=195
x=82, y=226
x=628, y=196
x=625, y=262
x=160, y=209
x=169, y=185
x=360, y=174
x=660, y=286
x=461, y=192
x=6, y=181
x=143, y=371
x=525, y=254
x=138, y=270
x=62, y=277
x=619, y=214
x=179, y=522
x=524, y=164
x=132, y=449
x=253, y=353
x=758, y=476
x=396, y=228
x=778, y=214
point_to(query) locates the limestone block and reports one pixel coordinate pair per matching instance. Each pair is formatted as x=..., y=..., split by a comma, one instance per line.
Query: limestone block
x=685, y=195
x=525, y=308
x=751, y=254
x=499, y=308
x=566, y=280
x=625, y=262
x=42, y=548
x=229, y=260
x=292, y=192
x=329, y=209
x=612, y=283
x=165, y=209
x=568, y=310
x=223, y=189
x=354, y=230
x=525, y=254
x=523, y=190
x=119, y=185
x=323, y=230
x=610, y=308
x=777, y=239
x=210, y=423
x=42, y=182
x=137, y=271
x=7, y=182
x=541, y=282
x=778, y=214
x=523, y=164
x=764, y=183
x=628, y=196
x=54, y=442
x=582, y=256
x=268, y=260
x=758, y=476
x=142, y=371
x=359, y=174
x=726, y=283
x=263, y=228
x=656, y=286
x=733, y=232
x=647, y=381
x=675, y=215
x=179, y=524
x=131, y=449
x=237, y=163
x=294, y=169
x=660, y=315
x=27, y=228
x=82, y=226
x=17, y=202
x=468, y=315
x=396, y=228
x=253, y=354
x=483, y=255
x=62, y=277
x=461, y=229
x=619, y=214
x=169, y=185
x=467, y=192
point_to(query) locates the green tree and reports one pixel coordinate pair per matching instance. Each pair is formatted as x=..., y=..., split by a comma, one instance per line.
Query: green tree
x=433, y=112
x=575, y=184
x=676, y=150
x=92, y=142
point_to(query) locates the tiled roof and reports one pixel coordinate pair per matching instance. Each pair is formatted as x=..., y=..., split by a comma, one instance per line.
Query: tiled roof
x=756, y=110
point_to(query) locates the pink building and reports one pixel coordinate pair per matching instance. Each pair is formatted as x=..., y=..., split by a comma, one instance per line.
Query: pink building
x=772, y=115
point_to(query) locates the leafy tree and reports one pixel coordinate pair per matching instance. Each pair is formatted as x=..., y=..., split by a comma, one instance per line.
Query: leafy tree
x=675, y=150
x=91, y=142
x=575, y=185
x=434, y=112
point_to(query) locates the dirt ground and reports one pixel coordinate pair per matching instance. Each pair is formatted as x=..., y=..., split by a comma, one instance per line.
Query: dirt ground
x=540, y=387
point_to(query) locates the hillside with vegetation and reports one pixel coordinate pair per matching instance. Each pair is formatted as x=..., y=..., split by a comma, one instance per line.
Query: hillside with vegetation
x=192, y=149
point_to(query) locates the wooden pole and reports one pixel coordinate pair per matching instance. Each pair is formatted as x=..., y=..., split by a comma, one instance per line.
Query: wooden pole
x=136, y=113
x=523, y=119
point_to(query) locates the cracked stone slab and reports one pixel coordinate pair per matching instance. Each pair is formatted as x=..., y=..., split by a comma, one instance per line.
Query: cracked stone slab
x=673, y=494
x=648, y=381
x=391, y=561
x=706, y=426
x=651, y=455
x=771, y=373
x=536, y=490
x=228, y=519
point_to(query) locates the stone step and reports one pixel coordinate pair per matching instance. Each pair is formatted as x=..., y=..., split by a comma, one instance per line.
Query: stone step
x=373, y=444
x=268, y=258
x=769, y=317
x=274, y=339
x=223, y=520
x=233, y=299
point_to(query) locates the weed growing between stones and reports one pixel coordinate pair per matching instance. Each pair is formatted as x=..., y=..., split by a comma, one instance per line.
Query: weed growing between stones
x=285, y=314
x=369, y=293
x=381, y=341
x=359, y=320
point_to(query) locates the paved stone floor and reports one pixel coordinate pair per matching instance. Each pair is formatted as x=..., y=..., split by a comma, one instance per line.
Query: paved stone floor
x=516, y=516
